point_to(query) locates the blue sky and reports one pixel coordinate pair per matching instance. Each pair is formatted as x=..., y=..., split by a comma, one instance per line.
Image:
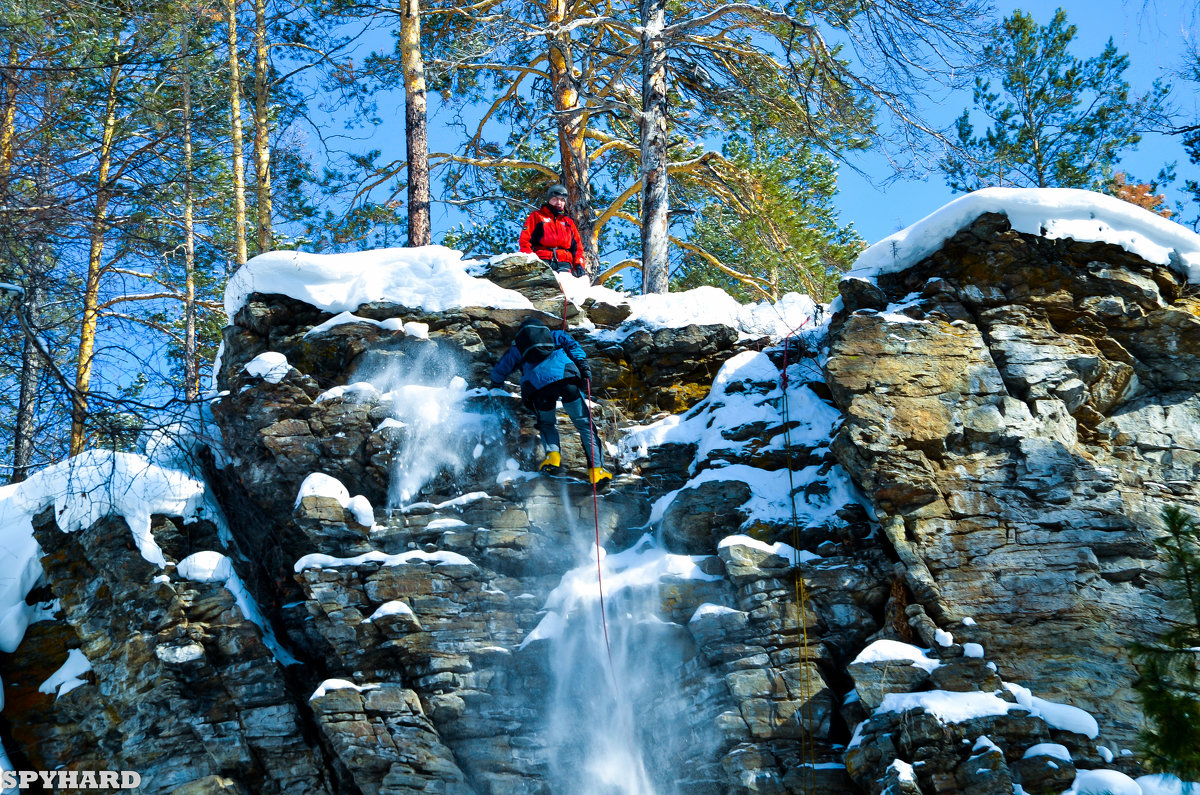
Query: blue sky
x=1154, y=33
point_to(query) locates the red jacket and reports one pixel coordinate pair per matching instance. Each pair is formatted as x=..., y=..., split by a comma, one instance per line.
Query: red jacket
x=552, y=237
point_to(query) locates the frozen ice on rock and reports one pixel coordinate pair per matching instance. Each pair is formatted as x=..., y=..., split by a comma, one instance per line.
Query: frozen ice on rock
x=1103, y=782
x=271, y=367
x=319, y=561
x=338, y=684
x=360, y=508
x=947, y=706
x=1060, y=716
x=785, y=551
x=433, y=278
x=904, y=770
x=340, y=319
x=1053, y=213
x=359, y=390
x=410, y=328
x=83, y=490
x=943, y=638
x=889, y=650
x=769, y=489
x=318, y=484
x=392, y=608
x=984, y=743
x=722, y=409
x=1049, y=749
x=211, y=566
x=709, y=609
x=207, y=566
x=68, y=677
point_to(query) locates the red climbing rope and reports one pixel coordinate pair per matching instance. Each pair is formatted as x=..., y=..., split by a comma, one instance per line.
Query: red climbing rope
x=596, y=510
x=564, y=295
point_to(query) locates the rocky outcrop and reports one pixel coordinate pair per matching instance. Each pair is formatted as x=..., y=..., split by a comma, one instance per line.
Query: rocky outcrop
x=1018, y=414
x=1010, y=414
x=411, y=648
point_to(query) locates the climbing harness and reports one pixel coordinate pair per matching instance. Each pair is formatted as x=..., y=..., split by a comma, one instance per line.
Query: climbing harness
x=596, y=510
x=808, y=747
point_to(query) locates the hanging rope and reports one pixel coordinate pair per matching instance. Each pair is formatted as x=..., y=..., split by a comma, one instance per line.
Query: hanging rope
x=595, y=500
x=596, y=511
x=808, y=746
x=564, y=295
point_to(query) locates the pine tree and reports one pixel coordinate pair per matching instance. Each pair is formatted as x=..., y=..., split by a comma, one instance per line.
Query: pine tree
x=1191, y=144
x=1056, y=121
x=781, y=235
x=1168, y=686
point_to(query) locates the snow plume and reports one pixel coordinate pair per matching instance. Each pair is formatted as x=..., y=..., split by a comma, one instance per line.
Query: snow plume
x=438, y=430
x=616, y=729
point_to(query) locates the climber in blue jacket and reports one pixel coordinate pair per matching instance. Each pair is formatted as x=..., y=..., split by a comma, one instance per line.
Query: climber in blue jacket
x=553, y=366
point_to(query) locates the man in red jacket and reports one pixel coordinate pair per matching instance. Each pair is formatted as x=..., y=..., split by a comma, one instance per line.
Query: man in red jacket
x=551, y=234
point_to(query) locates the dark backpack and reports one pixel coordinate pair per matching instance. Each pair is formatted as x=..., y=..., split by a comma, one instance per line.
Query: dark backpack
x=534, y=342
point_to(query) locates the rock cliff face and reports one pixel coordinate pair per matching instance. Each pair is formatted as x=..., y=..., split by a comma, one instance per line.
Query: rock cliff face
x=1018, y=411
x=975, y=451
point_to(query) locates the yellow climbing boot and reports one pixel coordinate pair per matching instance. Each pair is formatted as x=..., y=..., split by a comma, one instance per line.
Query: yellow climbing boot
x=553, y=460
x=598, y=475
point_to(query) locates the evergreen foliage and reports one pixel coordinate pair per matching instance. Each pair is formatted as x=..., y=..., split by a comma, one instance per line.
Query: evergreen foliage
x=781, y=234
x=1191, y=144
x=1055, y=121
x=1169, y=670
x=92, y=197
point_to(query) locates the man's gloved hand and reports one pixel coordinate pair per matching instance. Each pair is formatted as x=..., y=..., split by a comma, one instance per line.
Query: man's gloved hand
x=585, y=370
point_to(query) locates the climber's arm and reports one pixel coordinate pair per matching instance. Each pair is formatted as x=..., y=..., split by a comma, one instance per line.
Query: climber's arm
x=508, y=362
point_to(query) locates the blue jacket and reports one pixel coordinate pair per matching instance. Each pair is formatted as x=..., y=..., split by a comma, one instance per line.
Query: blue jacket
x=566, y=362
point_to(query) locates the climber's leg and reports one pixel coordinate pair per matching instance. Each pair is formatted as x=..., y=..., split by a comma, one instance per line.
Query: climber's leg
x=544, y=402
x=577, y=411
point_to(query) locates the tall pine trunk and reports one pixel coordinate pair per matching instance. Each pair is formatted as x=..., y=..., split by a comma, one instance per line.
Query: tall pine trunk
x=32, y=364
x=415, y=125
x=235, y=117
x=91, y=293
x=572, y=146
x=8, y=119
x=191, y=369
x=655, y=201
x=31, y=371
x=262, y=141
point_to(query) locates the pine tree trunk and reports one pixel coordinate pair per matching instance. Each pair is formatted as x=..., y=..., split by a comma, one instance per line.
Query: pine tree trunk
x=30, y=360
x=572, y=146
x=8, y=119
x=191, y=369
x=235, y=115
x=91, y=293
x=415, y=127
x=262, y=141
x=655, y=201
x=31, y=373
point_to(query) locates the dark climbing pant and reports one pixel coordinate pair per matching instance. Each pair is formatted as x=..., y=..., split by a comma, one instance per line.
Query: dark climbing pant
x=544, y=402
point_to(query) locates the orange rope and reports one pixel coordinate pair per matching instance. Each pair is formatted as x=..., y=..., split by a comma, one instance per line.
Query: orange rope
x=808, y=744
